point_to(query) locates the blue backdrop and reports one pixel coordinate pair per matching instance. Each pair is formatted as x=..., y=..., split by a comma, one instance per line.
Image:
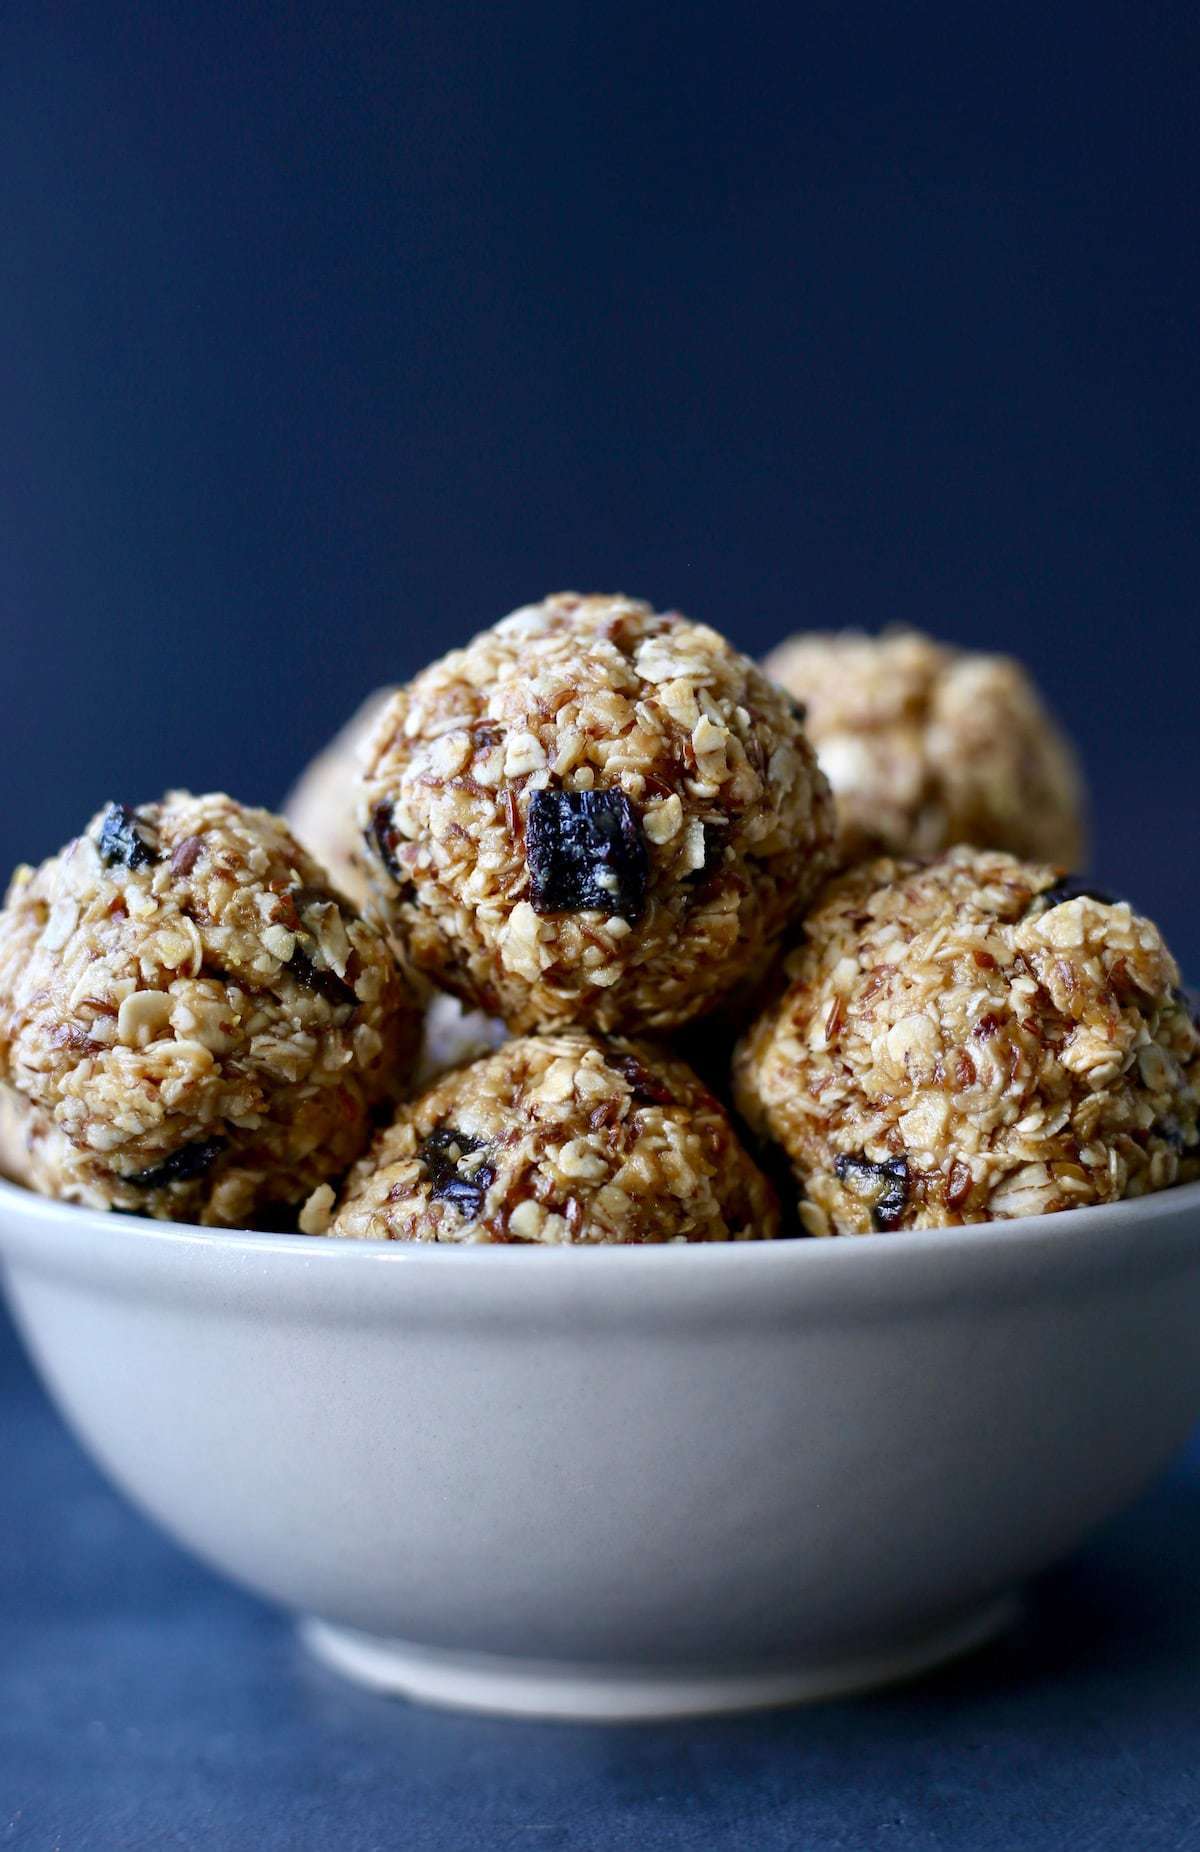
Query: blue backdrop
x=328, y=334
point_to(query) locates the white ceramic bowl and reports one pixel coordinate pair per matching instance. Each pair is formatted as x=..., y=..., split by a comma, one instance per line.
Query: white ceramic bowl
x=624, y=1481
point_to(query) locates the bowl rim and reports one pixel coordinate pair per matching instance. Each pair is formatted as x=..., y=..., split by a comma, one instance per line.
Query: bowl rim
x=1176, y=1204
x=805, y=1286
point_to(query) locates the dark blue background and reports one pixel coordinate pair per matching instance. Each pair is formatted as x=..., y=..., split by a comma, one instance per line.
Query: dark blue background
x=327, y=334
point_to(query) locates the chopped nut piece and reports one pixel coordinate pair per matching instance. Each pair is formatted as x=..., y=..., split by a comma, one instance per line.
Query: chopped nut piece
x=664, y=820
x=64, y=917
x=142, y=1016
x=317, y=1212
x=280, y=943
x=527, y=1220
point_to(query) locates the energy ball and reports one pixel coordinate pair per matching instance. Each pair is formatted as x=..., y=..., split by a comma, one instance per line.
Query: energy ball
x=320, y=807
x=193, y=1023
x=970, y=1040
x=561, y=1139
x=926, y=746
x=594, y=814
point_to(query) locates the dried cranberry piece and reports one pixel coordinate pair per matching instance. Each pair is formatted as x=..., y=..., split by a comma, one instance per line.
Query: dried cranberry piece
x=120, y=843
x=1069, y=887
x=301, y=899
x=644, y=1085
x=586, y=853
x=182, y=1166
x=385, y=836
x=319, y=978
x=441, y=1154
x=889, y=1178
x=304, y=897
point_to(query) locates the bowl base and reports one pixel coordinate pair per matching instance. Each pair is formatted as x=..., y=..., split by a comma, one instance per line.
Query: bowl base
x=600, y=1694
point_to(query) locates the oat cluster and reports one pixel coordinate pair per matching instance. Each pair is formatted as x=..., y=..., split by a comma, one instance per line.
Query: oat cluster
x=560, y=1138
x=193, y=1024
x=596, y=814
x=971, y=1039
x=926, y=746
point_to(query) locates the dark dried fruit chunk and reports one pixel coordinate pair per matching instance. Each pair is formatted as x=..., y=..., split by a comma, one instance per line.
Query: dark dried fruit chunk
x=120, y=843
x=313, y=901
x=385, y=837
x=884, y=1185
x=183, y=1166
x=586, y=853
x=319, y=978
x=645, y=1086
x=441, y=1154
x=303, y=898
x=1069, y=887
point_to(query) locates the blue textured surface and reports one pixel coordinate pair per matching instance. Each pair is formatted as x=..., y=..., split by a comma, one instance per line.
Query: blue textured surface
x=330, y=333
x=145, y=1705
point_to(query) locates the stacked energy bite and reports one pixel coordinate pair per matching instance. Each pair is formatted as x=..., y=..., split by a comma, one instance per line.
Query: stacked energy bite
x=595, y=820
x=193, y=1023
x=561, y=1138
x=969, y=1039
x=594, y=814
x=926, y=746
x=545, y=882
